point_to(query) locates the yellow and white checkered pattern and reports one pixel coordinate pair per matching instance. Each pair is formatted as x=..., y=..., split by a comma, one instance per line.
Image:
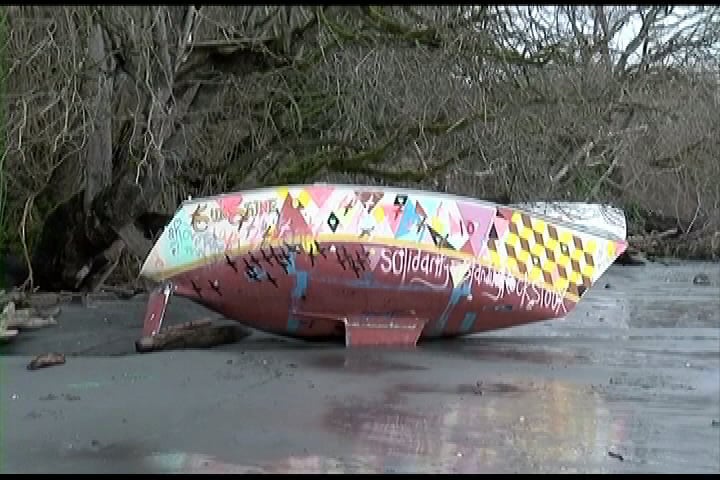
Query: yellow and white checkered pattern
x=546, y=253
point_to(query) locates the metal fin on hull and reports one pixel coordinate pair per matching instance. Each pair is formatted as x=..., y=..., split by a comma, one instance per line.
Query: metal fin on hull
x=375, y=330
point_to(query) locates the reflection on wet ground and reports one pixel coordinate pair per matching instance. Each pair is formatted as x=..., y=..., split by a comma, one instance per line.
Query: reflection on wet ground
x=362, y=361
x=481, y=434
x=630, y=382
x=562, y=428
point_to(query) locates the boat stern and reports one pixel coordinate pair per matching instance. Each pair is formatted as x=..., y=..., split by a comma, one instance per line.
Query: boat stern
x=172, y=254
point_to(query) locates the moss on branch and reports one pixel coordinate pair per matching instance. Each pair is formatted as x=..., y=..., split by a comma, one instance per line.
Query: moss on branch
x=383, y=24
x=393, y=175
x=368, y=161
x=426, y=36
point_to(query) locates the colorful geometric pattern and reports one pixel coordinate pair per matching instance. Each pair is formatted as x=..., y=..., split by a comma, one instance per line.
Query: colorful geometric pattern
x=512, y=240
x=545, y=252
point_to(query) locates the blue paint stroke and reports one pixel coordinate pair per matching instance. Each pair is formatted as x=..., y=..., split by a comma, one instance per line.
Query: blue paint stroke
x=301, y=282
x=291, y=262
x=463, y=290
x=430, y=205
x=406, y=226
x=292, y=324
x=299, y=289
x=468, y=322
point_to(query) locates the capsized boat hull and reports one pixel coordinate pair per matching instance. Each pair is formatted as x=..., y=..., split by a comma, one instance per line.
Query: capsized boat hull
x=379, y=266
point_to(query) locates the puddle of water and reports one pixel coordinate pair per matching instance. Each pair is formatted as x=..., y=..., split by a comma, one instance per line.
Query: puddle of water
x=180, y=462
x=415, y=429
x=426, y=428
x=480, y=429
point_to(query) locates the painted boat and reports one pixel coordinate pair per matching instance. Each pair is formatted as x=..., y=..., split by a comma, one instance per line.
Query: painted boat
x=379, y=265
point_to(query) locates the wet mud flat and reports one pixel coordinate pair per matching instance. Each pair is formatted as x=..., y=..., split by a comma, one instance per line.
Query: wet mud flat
x=629, y=382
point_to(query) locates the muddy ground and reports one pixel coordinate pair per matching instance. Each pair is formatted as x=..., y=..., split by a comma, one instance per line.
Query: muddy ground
x=629, y=382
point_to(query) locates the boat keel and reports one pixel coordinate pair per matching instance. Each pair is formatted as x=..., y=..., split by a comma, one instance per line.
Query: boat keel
x=155, y=310
x=376, y=330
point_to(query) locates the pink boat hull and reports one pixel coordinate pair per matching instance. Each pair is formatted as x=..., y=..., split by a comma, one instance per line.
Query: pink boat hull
x=507, y=267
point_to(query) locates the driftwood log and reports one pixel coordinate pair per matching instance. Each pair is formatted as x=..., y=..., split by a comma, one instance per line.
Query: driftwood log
x=46, y=360
x=200, y=334
x=28, y=318
x=7, y=334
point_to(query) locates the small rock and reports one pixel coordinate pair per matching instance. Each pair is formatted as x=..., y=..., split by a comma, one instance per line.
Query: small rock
x=46, y=360
x=701, y=279
x=229, y=362
x=476, y=389
x=458, y=454
x=616, y=455
x=607, y=285
x=292, y=365
x=14, y=396
x=716, y=423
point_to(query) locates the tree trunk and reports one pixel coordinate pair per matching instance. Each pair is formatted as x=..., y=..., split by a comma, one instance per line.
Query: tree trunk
x=98, y=158
x=72, y=240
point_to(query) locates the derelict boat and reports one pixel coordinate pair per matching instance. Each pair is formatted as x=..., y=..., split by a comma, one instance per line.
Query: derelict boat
x=379, y=265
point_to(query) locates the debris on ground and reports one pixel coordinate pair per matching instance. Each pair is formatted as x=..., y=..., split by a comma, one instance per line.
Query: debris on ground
x=616, y=455
x=631, y=257
x=41, y=300
x=477, y=389
x=701, y=279
x=122, y=292
x=30, y=318
x=6, y=333
x=12, y=320
x=198, y=334
x=715, y=423
x=46, y=360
